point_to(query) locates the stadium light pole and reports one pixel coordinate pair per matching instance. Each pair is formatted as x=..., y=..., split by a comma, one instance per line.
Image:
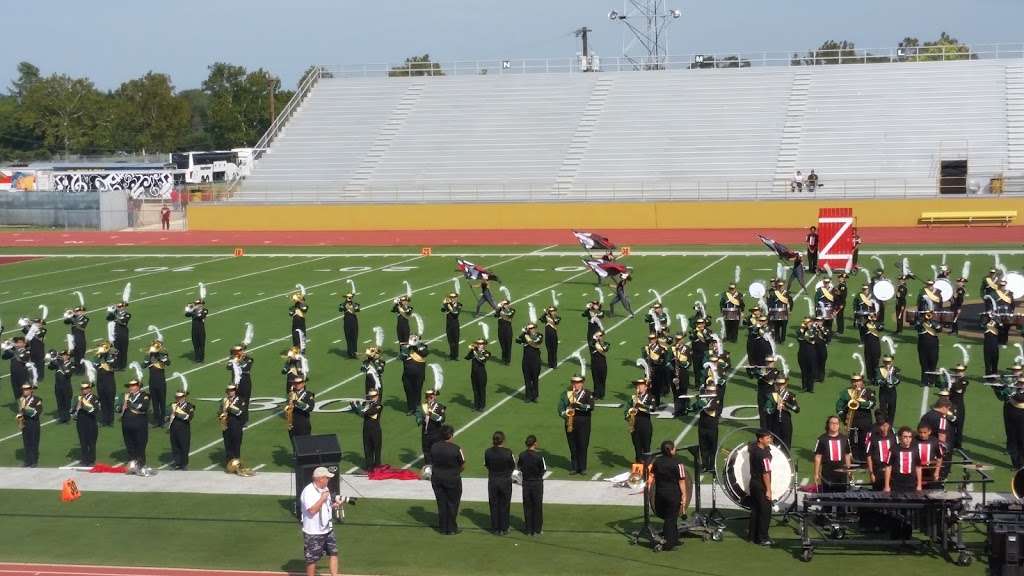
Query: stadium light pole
x=647, y=20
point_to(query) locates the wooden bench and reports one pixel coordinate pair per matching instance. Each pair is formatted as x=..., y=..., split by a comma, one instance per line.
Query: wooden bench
x=969, y=217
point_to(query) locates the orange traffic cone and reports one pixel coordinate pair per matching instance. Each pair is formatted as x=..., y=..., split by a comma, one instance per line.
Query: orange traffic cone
x=69, y=491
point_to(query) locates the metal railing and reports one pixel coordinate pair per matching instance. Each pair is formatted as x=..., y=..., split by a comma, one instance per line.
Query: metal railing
x=640, y=190
x=286, y=113
x=703, y=60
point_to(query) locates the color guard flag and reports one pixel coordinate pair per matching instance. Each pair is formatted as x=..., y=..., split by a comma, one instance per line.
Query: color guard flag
x=774, y=246
x=473, y=272
x=604, y=268
x=591, y=241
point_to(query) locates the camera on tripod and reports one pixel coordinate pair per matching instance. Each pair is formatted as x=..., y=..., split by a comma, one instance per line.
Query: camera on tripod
x=342, y=500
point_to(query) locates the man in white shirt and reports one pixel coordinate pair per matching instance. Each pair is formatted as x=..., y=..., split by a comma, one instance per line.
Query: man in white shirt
x=797, y=182
x=317, y=526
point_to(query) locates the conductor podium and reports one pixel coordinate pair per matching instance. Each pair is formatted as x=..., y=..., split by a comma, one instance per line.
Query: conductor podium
x=311, y=452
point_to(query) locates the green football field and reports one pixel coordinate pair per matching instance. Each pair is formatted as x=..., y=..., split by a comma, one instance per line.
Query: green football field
x=256, y=289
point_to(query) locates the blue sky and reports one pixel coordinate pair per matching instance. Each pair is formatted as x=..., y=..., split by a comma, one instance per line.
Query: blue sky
x=111, y=41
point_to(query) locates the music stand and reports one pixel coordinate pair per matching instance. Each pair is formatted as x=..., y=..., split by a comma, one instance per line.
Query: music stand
x=647, y=531
x=708, y=525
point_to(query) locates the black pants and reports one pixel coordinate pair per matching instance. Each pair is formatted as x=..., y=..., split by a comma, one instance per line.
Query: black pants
x=680, y=388
x=233, y=439
x=666, y=506
x=427, y=441
x=158, y=396
x=245, y=392
x=820, y=360
x=641, y=437
x=301, y=424
x=551, y=343
x=901, y=310
x=732, y=328
x=181, y=440
x=533, y=506
x=887, y=401
x=448, y=494
x=991, y=353
x=135, y=431
x=763, y=393
x=840, y=318
x=30, y=440
x=413, y=375
x=781, y=424
x=1013, y=423
x=79, y=352
x=298, y=323
x=760, y=512
x=105, y=389
x=812, y=261
x=351, y=329
x=872, y=354
x=88, y=431
x=499, y=496
x=372, y=440
x=505, y=341
x=928, y=356
x=579, y=442
x=806, y=358
x=858, y=434
x=121, y=345
x=778, y=330
x=531, y=373
x=599, y=372
x=707, y=440
x=402, y=330
x=62, y=393
x=956, y=439
x=452, y=330
x=478, y=379
x=199, y=341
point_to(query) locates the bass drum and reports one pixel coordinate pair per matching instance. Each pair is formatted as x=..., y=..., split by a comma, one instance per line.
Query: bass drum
x=736, y=475
x=884, y=290
x=756, y=290
x=1017, y=484
x=1015, y=284
x=945, y=289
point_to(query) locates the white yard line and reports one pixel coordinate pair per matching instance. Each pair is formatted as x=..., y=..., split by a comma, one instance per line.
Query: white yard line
x=259, y=467
x=597, y=476
x=61, y=271
x=547, y=371
x=210, y=467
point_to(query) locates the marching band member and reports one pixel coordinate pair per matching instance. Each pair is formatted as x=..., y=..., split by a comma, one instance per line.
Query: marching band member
x=824, y=301
x=63, y=370
x=240, y=366
x=765, y=384
x=781, y=406
x=599, y=362
x=779, y=305
x=298, y=311
x=478, y=356
x=812, y=250
x=709, y=409
x=905, y=473
x=232, y=421
x=430, y=417
x=806, y=356
x=759, y=347
x=350, y=324
x=668, y=492
x=940, y=418
x=864, y=305
x=551, y=320
x=855, y=405
x=30, y=407
x=957, y=388
x=991, y=343
x=901, y=302
x=373, y=363
x=299, y=410
x=732, y=306
x=657, y=320
x=1004, y=307
x=832, y=459
x=840, y=293
x=856, y=248
x=451, y=308
x=760, y=483
x=84, y=413
x=533, y=468
x=575, y=407
x=294, y=364
x=135, y=422
x=930, y=456
x=485, y=295
x=531, y=341
x=638, y=415
x=504, y=313
x=681, y=375
x=414, y=366
x=119, y=316
x=822, y=340
x=621, y=294
x=16, y=351
x=78, y=321
x=1011, y=392
x=872, y=348
x=889, y=377
x=700, y=340
x=500, y=463
x=593, y=313
x=655, y=354
x=928, y=347
x=881, y=447
x=957, y=304
x=989, y=285
x=182, y=413
x=35, y=335
x=106, y=386
x=403, y=311
x=370, y=411
x=929, y=298
x=198, y=312
x=796, y=272
x=880, y=313
x=157, y=361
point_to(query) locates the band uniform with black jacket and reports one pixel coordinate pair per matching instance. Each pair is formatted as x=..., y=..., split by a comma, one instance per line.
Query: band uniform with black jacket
x=575, y=407
x=135, y=423
x=85, y=412
x=180, y=428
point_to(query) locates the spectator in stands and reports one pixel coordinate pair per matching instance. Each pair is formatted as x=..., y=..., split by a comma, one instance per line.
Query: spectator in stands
x=165, y=217
x=812, y=181
x=797, y=184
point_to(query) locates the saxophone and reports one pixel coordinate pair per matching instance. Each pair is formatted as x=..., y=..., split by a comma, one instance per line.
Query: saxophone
x=570, y=412
x=22, y=403
x=631, y=414
x=289, y=410
x=223, y=416
x=851, y=407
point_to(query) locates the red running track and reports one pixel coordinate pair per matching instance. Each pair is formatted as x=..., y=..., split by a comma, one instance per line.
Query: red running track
x=249, y=239
x=12, y=569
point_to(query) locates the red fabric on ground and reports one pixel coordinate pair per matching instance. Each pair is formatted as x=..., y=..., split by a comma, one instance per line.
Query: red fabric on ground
x=107, y=469
x=386, y=472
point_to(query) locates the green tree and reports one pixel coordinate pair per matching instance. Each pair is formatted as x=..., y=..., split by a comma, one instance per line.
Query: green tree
x=417, y=66
x=830, y=52
x=239, y=104
x=149, y=116
x=721, y=62
x=944, y=48
x=198, y=138
x=68, y=114
x=28, y=74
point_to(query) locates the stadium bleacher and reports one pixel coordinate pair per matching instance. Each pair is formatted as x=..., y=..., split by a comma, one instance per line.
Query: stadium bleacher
x=867, y=129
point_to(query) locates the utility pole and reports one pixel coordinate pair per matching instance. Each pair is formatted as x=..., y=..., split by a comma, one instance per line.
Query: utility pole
x=582, y=33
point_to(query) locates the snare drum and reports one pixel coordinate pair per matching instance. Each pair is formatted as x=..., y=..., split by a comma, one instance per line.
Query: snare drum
x=737, y=475
x=780, y=314
x=731, y=314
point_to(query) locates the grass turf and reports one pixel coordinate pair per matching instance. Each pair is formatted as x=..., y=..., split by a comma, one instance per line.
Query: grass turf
x=257, y=289
x=395, y=537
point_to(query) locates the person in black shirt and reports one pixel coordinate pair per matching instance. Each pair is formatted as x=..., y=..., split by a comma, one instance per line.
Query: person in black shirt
x=198, y=312
x=446, y=480
x=451, y=308
x=478, y=355
x=905, y=473
x=667, y=485
x=370, y=411
x=881, y=444
x=533, y=468
x=350, y=324
x=929, y=456
x=832, y=458
x=812, y=250
x=760, y=497
x=575, y=407
x=499, y=463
